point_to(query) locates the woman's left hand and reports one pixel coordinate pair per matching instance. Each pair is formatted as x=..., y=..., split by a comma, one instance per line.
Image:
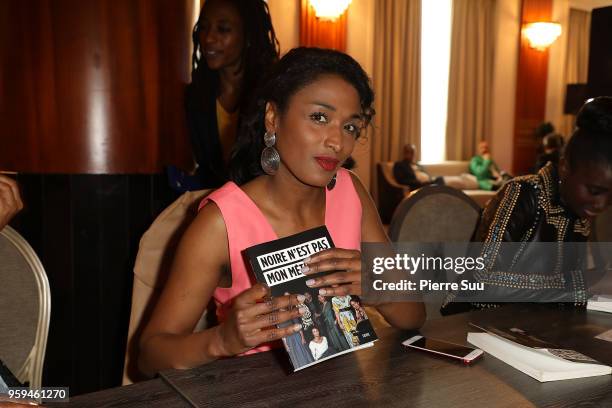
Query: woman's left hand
x=347, y=278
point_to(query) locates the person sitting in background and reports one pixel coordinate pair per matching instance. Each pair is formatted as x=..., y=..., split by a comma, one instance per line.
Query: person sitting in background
x=10, y=200
x=410, y=173
x=555, y=205
x=552, y=144
x=413, y=175
x=485, y=170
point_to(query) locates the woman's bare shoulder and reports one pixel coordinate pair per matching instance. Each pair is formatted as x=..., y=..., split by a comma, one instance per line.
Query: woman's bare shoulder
x=206, y=237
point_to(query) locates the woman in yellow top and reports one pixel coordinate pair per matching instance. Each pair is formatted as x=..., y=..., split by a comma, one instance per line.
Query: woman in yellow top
x=233, y=45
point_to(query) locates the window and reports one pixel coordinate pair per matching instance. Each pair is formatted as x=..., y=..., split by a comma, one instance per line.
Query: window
x=435, y=61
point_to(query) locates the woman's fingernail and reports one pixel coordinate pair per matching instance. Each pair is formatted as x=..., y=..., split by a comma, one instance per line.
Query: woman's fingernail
x=302, y=310
x=310, y=282
x=301, y=298
x=304, y=269
x=297, y=327
x=306, y=260
x=322, y=292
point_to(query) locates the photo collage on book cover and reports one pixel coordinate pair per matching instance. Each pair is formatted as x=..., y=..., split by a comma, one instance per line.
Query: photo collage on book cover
x=330, y=324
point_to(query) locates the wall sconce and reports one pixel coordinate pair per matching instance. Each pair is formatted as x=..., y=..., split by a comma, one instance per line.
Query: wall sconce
x=541, y=34
x=329, y=9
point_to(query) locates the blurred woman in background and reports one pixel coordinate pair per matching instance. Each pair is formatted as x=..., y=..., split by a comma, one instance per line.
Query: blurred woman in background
x=233, y=46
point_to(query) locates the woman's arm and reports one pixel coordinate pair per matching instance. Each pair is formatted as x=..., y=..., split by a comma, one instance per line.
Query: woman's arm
x=194, y=276
x=168, y=340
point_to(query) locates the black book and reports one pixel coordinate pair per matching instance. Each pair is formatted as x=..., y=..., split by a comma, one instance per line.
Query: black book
x=332, y=325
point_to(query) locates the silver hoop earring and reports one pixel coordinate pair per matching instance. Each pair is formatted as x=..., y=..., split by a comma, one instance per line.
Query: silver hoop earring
x=270, y=159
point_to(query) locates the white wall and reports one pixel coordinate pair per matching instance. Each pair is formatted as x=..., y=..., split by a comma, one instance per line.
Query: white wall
x=504, y=81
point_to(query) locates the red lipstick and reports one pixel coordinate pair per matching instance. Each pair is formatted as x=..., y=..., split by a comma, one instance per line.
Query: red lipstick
x=327, y=163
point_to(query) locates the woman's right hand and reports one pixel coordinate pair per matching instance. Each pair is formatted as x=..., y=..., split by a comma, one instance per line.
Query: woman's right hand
x=253, y=318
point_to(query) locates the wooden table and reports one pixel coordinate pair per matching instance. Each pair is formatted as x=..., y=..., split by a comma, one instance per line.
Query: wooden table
x=390, y=375
x=147, y=394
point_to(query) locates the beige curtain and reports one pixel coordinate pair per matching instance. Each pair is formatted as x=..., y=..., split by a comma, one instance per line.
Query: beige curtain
x=576, y=57
x=471, y=77
x=396, y=79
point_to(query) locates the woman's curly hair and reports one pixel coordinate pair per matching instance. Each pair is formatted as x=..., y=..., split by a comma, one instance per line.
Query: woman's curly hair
x=297, y=69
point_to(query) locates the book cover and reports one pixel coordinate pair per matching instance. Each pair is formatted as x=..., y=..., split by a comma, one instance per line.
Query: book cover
x=535, y=357
x=331, y=325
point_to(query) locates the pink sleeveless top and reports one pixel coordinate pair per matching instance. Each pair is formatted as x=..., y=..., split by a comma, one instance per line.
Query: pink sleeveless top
x=247, y=226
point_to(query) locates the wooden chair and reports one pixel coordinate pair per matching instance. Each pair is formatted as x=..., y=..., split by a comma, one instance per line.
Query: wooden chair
x=25, y=308
x=153, y=262
x=435, y=214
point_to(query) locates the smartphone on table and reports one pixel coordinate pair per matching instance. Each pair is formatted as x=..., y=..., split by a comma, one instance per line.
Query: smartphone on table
x=455, y=351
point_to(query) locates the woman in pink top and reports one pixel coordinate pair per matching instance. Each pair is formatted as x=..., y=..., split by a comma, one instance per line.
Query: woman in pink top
x=287, y=178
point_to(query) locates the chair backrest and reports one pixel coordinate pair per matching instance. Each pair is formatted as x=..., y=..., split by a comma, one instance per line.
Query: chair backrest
x=153, y=261
x=435, y=214
x=25, y=308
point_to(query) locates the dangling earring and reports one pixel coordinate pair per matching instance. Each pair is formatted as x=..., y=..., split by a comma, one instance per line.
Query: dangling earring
x=332, y=183
x=270, y=159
